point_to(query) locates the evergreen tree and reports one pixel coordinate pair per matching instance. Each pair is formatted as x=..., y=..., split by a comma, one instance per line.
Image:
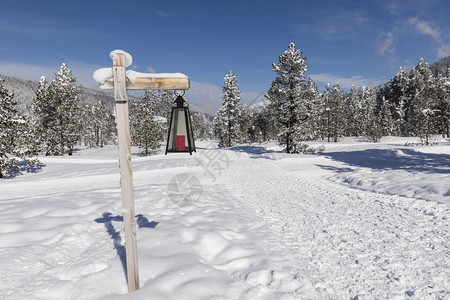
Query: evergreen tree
x=442, y=103
x=308, y=129
x=57, y=112
x=399, y=98
x=146, y=129
x=16, y=138
x=385, y=117
x=263, y=125
x=64, y=93
x=226, y=122
x=287, y=96
x=372, y=126
x=332, y=113
x=44, y=114
x=353, y=112
x=98, y=125
x=202, y=126
x=420, y=78
x=246, y=128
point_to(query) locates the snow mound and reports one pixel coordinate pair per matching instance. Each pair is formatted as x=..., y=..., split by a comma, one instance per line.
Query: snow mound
x=133, y=75
x=128, y=57
x=102, y=75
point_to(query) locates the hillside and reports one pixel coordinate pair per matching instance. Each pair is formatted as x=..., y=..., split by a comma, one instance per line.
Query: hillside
x=441, y=66
x=24, y=92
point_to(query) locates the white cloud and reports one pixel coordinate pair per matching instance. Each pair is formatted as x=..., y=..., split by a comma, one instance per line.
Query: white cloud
x=82, y=71
x=425, y=28
x=205, y=94
x=428, y=29
x=386, y=43
x=344, y=82
x=151, y=69
x=165, y=14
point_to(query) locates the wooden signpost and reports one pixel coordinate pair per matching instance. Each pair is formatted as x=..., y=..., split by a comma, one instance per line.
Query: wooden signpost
x=120, y=83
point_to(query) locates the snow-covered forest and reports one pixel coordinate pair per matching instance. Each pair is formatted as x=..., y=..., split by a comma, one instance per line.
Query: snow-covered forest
x=327, y=194
x=414, y=103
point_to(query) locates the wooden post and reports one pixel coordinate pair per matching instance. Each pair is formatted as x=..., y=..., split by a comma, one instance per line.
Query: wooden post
x=126, y=175
x=120, y=83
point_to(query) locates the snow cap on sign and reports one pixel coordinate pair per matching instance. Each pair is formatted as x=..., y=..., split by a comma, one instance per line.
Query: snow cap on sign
x=103, y=75
x=132, y=75
x=128, y=58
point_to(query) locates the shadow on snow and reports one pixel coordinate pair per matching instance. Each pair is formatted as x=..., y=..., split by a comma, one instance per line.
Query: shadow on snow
x=252, y=150
x=108, y=218
x=22, y=166
x=393, y=159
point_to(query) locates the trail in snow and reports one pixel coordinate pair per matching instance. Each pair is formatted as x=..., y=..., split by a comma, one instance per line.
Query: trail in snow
x=359, y=244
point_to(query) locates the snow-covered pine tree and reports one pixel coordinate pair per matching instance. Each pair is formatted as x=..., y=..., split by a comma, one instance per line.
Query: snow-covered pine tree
x=246, y=128
x=146, y=130
x=442, y=103
x=44, y=118
x=371, y=125
x=226, y=122
x=398, y=97
x=16, y=138
x=335, y=112
x=57, y=112
x=202, y=126
x=420, y=77
x=286, y=96
x=64, y=93
x=353, y=112
x=263, y=125
x=309, y=128
x=164, y=103
x=385, y=118
x=98, y=125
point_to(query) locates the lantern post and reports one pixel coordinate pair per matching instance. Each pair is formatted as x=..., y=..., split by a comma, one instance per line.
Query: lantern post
x=121, y=81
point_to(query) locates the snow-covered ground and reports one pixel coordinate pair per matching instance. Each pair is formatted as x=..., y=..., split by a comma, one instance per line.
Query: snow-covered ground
x=360, y=221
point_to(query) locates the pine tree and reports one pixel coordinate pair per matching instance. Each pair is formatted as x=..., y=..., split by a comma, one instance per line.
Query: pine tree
x=420, y=78
x=57, y=112
x=332, y=110
x=65, y=97
x=262, y=124
x=146, y=129
x=16, y=138
x=202, y=126
x=226, y=122
x=372, y=126
x=98, y=125
x=385, y=117
x=442, y=103
x=353, y=112
x=308, y=128
x=44, y=113
x=399, y=98
x=287, y=96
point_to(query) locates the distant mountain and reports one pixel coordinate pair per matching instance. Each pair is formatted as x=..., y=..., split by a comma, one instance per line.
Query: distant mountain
x=24, y=93
x=441, y=66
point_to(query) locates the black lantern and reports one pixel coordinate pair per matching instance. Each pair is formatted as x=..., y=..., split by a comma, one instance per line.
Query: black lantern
x=181, y=138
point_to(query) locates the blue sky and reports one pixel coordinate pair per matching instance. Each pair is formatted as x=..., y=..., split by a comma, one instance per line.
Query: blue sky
x=350, y=42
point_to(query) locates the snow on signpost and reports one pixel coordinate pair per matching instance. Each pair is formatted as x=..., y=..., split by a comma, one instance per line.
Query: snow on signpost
x=118, y=79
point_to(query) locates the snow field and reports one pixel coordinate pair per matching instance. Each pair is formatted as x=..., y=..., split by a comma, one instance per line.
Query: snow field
x=263, y=225
x=360, y=244
x=62, y=237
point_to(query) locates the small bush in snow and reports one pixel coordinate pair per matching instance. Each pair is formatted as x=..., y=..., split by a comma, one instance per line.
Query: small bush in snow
x=306, y=149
